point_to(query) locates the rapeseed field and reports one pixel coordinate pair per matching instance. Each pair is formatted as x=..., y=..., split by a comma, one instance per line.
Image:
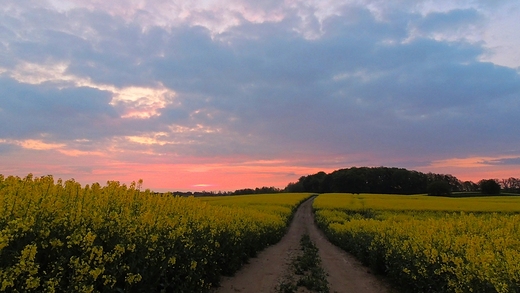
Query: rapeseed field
x=60, y=236
x=429, y=244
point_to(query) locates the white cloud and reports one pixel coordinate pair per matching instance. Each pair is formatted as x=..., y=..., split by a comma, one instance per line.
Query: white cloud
x=132, y=101
x=141, y=102
x=159, y=138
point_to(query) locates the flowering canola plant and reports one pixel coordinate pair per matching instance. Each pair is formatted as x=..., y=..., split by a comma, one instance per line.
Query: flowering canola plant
x=58, y=236
x=429, y=244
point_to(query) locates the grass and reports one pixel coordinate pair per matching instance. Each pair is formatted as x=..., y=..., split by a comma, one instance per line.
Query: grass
x=307, y=270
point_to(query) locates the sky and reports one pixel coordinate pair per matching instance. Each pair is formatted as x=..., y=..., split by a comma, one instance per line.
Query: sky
x=223, y=95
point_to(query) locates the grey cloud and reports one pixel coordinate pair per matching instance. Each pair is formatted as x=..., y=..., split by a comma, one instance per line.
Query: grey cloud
x=289, y=95
x=510, y=161
x=6, y=148
x=95, y=45
x=30, y=110
x=451, y=20
x=358, y=87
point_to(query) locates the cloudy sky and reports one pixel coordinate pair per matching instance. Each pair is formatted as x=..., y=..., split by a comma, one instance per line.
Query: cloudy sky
x=221, y=95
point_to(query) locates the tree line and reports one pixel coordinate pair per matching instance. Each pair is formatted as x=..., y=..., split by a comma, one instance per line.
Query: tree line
x=383, y=180
x=244, y=191
x=396, y=181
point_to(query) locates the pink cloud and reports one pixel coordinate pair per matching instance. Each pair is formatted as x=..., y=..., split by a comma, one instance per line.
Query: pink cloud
x=211, y=174
x=475, y=168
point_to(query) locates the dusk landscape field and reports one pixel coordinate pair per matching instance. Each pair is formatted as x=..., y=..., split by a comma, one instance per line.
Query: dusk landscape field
x=259, y=146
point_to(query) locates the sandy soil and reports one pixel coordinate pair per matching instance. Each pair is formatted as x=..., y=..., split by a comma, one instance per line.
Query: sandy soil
x=265, y=272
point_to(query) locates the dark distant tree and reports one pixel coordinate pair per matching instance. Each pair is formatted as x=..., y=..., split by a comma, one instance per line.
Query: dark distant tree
x=326, y=184
x=510, y=185
x=469, y=186
x=371, y=180
x=439, y=188
x=454, y=182
x=337, y=181
x=400, y=178
x=294, y=187
x=266, y=189
x=489, y=186
x=244, y=191
x=356, y=183
x=314, y=183
x=261, y=190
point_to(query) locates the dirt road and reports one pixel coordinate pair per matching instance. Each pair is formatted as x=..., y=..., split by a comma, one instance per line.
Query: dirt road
x=265, y=272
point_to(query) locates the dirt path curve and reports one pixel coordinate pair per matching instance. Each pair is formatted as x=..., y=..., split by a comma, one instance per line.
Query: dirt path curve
x=265, y=272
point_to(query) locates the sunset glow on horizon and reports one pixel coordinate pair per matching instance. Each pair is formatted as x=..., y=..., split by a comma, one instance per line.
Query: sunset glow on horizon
x=219, y=96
